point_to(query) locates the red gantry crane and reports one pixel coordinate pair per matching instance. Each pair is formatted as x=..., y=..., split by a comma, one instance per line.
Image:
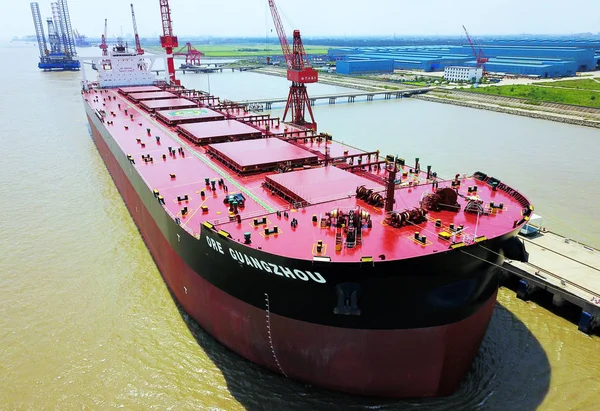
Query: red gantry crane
x=192, y=56
x=168, y=41
x=479, y=57
x=299, y=73
x=103, y=44
x=138, y=45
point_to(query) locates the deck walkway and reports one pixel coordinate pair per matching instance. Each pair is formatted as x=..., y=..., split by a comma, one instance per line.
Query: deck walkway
x=570, y=271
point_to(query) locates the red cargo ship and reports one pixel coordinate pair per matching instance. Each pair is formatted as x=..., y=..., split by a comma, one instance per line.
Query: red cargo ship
x=322, y=262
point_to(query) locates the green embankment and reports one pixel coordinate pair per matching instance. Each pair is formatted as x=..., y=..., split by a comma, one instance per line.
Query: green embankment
x=247, y=50
x=584, y=84
x=575, y=92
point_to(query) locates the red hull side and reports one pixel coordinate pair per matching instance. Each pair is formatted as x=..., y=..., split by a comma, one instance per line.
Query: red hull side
x=393, y=363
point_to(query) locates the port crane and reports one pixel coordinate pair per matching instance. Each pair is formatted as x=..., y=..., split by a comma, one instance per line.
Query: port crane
x=80, y=39
x=103, y=46
x=138, y=45
x=192, y=56
x=168, y=41
x=480, y=59
x=299, y=73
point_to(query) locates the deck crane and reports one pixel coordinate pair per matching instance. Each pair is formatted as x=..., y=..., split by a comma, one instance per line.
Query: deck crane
x=299, y=73
x=480, y=59
x=138, y=45
x=192, y=56
x=168, y=41
x=103, y=46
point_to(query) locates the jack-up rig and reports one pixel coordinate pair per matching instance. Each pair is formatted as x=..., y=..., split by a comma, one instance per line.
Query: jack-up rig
x=299, y=73
x=61, y=53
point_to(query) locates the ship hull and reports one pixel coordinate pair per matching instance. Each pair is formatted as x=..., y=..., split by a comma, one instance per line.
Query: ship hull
x=406, y=349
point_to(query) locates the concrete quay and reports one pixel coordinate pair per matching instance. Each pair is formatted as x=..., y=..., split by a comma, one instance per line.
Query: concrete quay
x=568, y=270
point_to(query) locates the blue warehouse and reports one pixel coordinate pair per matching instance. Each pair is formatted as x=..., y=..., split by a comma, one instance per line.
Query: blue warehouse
x=527, y=58
x=364, y=65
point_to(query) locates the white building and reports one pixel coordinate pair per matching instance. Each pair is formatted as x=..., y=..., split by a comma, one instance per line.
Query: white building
x=458, y=73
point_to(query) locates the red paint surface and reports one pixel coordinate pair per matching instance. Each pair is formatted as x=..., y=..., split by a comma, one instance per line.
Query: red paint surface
x=262, y=151
x=167, y=103
x=394, y=243
x=189, y=114
x=207, y=130
x=138, y=89
x=395, y=363
x=320, y=184
x=336, y=149
x=153, y=95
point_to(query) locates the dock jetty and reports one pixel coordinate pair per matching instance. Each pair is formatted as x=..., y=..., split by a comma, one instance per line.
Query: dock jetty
x=567, y=269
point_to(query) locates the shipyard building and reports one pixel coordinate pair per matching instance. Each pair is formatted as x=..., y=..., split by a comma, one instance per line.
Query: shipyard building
x=457, y=73
x=542, y=59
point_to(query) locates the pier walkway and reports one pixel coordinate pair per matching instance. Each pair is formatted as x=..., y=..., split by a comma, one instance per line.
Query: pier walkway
x=569, y=270
x=350, y=96
x=211, y=68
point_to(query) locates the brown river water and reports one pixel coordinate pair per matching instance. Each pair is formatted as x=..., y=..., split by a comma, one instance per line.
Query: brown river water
x=86, y=321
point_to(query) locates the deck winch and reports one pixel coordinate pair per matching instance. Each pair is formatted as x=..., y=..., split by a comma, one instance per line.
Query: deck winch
x=442, y=199
x=399, y=219
x=349, y=223
x=369, y=196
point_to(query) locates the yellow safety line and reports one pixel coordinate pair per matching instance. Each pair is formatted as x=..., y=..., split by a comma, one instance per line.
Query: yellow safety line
x=193, y=214
x=260, y=200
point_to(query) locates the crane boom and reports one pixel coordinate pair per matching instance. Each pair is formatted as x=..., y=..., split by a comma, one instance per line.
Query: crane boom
x=470, y=41
x=285, y=45
x=103, y=46
x=299, y=73
x=168, y=41
x=138, y=45
x=479, y=57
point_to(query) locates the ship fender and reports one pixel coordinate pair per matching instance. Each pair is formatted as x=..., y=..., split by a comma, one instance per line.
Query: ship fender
x=514, y=249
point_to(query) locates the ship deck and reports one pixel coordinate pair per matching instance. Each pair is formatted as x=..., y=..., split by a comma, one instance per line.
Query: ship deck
x=311, y=193
x=138, y=89
x=152, y=95
x=188, y=115
x=260, y=155
x=166, y=104
x=319, y=185
x=214, y=132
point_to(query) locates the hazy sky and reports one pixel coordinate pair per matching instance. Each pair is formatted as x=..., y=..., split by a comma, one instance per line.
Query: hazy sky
x=320, y=17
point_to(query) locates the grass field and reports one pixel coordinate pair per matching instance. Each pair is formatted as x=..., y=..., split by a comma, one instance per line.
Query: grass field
x=584, y=84
x=248, y=50
x=537, y=94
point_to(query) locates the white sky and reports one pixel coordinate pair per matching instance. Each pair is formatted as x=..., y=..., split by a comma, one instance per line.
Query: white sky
x=234, y=18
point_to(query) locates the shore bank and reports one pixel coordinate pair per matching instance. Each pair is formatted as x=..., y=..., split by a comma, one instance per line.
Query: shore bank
x=562, y=113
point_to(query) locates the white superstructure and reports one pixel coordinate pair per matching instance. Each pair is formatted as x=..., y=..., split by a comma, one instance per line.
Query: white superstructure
x=123, y=68
x=458, y=73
